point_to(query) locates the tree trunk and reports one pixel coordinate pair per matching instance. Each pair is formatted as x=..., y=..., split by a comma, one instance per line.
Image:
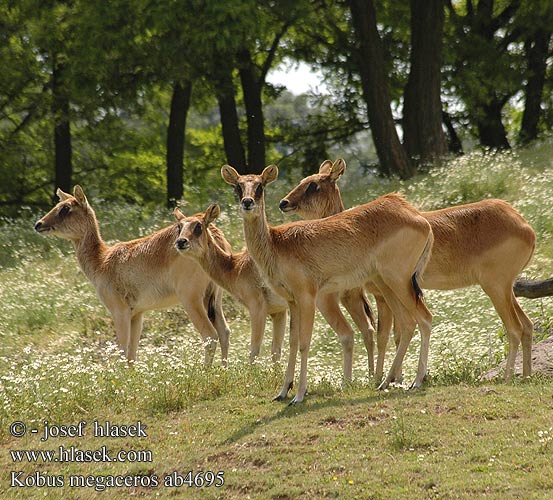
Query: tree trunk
x=491, y=132
x=454, y=144
x=533, y=289
x=252, y=89
x=536, y=52
x=424, y=138
x=234, y=150
x=180, y=103
x=370, y=59
x=63, y=167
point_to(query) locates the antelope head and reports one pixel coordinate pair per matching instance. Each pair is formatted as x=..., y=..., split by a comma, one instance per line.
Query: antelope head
x=69, y=218
x=249, y=188
x=193, y=231
x=317, y=196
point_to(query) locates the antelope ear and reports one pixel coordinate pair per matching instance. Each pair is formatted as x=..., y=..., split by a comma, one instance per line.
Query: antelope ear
x=230, y=175
x=62, y=195
x=78, y=193
x=325, y=167
x=338, y=168
x=211, y=213
x=178, y=214
x=269, y=174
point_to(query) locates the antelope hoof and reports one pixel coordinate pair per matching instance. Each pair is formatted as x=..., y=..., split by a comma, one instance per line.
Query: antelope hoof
x=383, y=385
x=284, y=393
x=415, y=385
x=296, y=400
x=378, y=378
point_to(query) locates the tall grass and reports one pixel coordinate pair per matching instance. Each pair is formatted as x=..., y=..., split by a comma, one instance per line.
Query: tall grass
x=57, y=355
x=85, y=377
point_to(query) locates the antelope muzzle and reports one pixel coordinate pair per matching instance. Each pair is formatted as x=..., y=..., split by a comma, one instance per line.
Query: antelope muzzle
x=182, y=244
x=41, y=227
x=247, y=203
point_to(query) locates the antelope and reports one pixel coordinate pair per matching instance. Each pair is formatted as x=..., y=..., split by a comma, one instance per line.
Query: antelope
x=385, y=241
x=487, y=243
x=139, y=275
x=235, y=272
x=238, y=274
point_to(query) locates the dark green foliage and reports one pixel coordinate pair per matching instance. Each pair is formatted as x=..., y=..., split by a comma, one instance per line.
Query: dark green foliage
x=121, y=60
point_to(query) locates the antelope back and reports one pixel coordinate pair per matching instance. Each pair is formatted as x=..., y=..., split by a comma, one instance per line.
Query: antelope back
x=470, y=239
x=350, y=241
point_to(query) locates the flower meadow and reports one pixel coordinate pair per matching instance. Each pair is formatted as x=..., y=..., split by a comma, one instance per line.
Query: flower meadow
x=58, y=357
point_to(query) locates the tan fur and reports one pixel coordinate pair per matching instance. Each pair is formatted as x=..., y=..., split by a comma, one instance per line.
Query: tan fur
x=236, y=273
x=487, y=243
x=353, y=300
x=384, y=241
x=139, y=275
x=322, y=200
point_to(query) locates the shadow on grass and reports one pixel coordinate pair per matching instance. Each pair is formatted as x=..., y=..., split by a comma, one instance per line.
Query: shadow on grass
x=313, y=403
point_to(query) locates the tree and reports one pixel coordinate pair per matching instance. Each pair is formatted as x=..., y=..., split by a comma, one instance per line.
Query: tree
x=51, y=30
x=254, y=60
x=424, y=138
x=62, y=128
x=231, y=26
x=234, y=150
x=536, y=49
x=180, y=103
x=252, y=88
x=485, y=72
x=371, y=65
x=25, y=135
x=110, y=93
x=44, y=46
x=535, y=23
x=169, y=49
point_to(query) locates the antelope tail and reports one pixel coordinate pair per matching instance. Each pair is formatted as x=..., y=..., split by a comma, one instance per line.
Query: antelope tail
x=368, y=311
x=421, y=265
x=210, y=298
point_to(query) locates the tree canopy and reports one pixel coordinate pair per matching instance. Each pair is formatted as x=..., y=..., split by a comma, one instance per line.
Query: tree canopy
x=150, y=97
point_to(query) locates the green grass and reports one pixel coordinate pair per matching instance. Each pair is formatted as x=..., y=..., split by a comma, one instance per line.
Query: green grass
x=456, y=438
x=459, y=442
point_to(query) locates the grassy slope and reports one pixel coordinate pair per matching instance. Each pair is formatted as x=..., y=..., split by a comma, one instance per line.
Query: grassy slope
x=455, y=439
x=441, y=442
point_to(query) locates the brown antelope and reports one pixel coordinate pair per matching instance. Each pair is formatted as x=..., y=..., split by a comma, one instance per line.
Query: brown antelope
x=135, y=276
x=238, y=274
x=385, y=241
x=487, y=243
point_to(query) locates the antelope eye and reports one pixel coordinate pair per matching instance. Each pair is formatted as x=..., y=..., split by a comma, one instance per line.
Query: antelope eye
x=238, y=191
x=259, y=191
x=64, y=210
x=312, y=188
x=197, y=229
